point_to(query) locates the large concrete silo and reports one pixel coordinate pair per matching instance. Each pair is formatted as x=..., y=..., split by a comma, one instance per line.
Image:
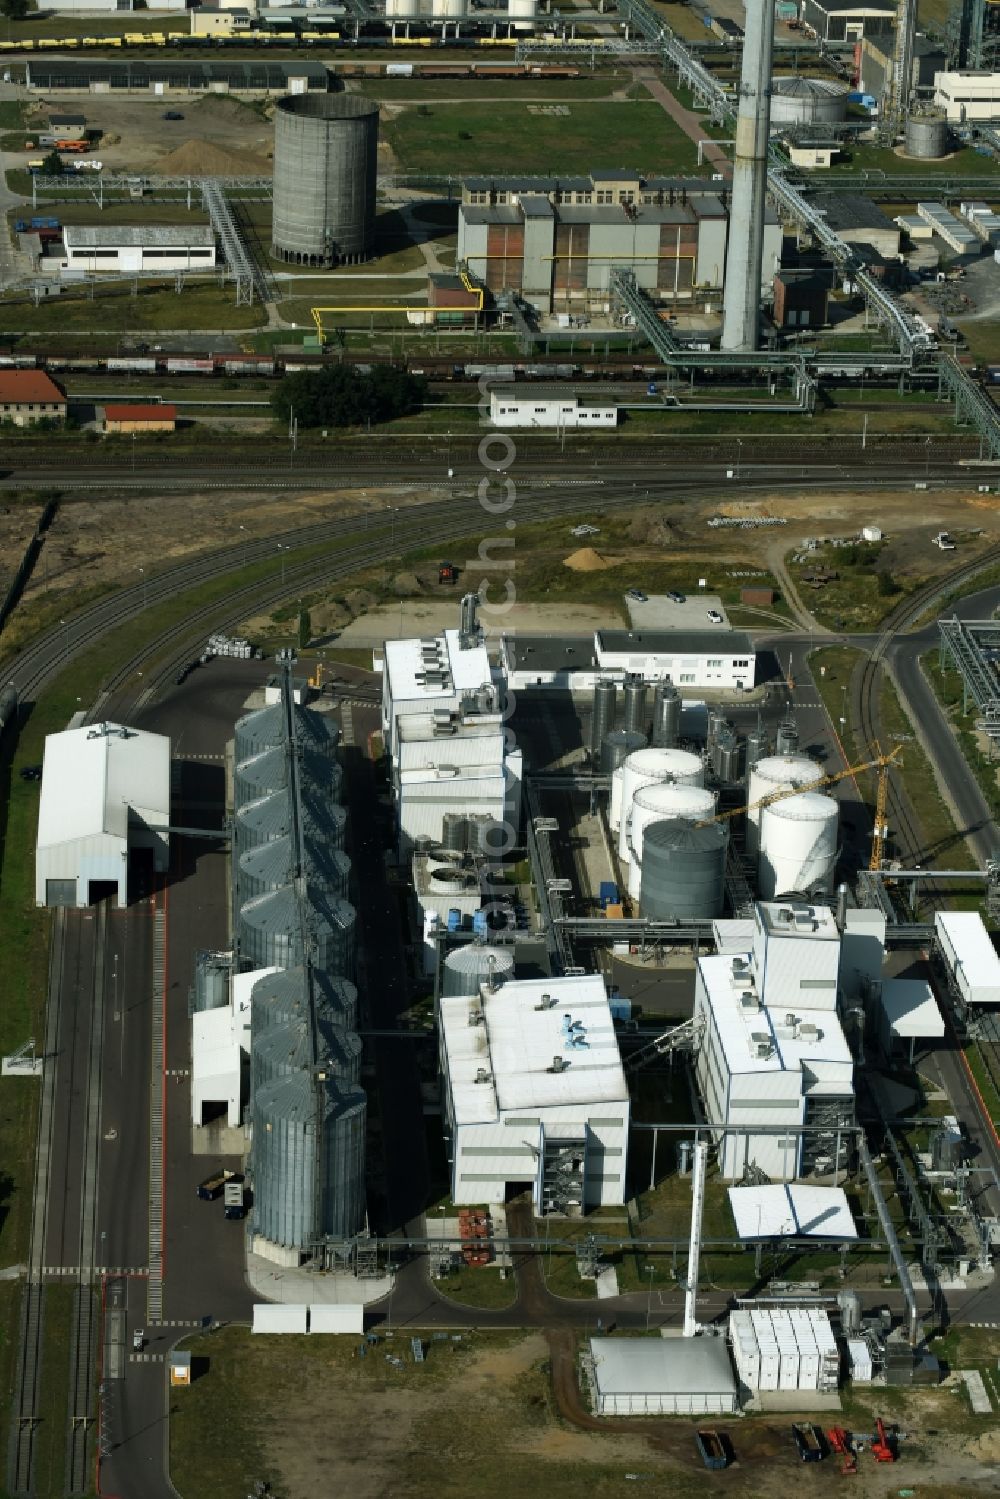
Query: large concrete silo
x=325, y=166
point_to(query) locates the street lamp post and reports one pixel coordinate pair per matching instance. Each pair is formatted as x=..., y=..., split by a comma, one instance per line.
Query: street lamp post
x=650, y=1271
x=142, y=574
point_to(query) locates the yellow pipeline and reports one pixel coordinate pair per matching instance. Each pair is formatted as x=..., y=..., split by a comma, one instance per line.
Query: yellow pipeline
x=317, y=312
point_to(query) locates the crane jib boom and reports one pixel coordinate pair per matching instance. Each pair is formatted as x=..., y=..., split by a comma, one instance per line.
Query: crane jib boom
x=880, y=762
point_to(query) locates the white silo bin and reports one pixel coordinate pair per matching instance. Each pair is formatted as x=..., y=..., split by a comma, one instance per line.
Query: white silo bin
x=775, y=773
x=522, y=11
x=451, y=10
x=644, y=768
x=652, y=804
x=615, y=805
x=798, y=845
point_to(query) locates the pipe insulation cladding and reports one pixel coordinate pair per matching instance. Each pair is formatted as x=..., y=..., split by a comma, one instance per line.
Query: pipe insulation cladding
x=745, y=252
x=325, y=167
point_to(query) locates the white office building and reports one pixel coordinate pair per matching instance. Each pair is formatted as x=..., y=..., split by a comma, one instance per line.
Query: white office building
x=535, y=409
x=535, y=1094
x=455, y=762
x=105, y=795
x=714, y=657
x=442, y=673
x=968, y=95
x=773, y=1055
x=138, y=250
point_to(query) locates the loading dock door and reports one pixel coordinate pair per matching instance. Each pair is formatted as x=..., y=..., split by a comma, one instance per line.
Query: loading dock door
x=60, y=892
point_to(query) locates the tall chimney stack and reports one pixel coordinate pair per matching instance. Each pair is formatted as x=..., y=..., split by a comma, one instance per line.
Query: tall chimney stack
x=745, y=253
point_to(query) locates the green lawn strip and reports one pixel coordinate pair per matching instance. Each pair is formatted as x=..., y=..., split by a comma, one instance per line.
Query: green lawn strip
x=53, y=1427
x=984, y=1082
x=118, y=311
x=477, y=91
x=479, y=1286
x=631, y=134
x=946, y=684
x=962, y=163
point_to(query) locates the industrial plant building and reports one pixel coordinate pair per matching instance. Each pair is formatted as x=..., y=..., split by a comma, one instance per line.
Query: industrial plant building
x=857, y=221
x=773, y=1056
x=139, y=250
x=662, y=1377
x=878, y=63
x=105, y=798
x=848, y=20
x=534, y=1094
x=556, y=241
x=714, y=657
x=256, y=77
x=967, y=97
x=553, y=412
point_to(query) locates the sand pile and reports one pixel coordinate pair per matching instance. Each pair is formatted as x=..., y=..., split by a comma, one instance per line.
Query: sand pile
x=200, y=158
x=586, y=560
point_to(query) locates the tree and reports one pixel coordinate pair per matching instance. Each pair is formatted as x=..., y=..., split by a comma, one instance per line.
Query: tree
x=14, y=10
x=887, y=584
x=305, y=629
x=52, y=165
x=339, y=395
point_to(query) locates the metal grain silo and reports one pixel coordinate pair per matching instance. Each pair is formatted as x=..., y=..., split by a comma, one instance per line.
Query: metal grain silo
x=666, y=715
x=470, y=966
x=325, y=165
x=212, y=974
x=603, y=717
x=616, y=748
x=798, y=845
x=683, y=870
x=290, y=1047
x=271, y=929
x=278, y=998
x=635, y=704
x=775, y=773
x=270, y=865
x=270, y=817
x=307, y=1160
x=926, y=135
x=267, y=770
x=652, y=804
x=644, y=768
x=265, y=728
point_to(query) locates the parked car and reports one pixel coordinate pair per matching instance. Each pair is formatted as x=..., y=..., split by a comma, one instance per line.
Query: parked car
x=173, y=114
x=138, y=1340
x=31, y=772
x=585, y=531
x=637, y=596
x=715, y=616
x=676, y=598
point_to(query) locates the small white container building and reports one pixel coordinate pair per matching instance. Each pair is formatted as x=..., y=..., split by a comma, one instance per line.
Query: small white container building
x=773, y=1052
x=969, y=956
x=139, y=250
x=537, y=409
x=780, y=1349
x=662, y=1377
x=105, y=795
x=534, y=1094
x=908, y=1013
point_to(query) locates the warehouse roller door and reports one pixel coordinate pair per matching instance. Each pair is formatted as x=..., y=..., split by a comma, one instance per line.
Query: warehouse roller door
x=60, y=892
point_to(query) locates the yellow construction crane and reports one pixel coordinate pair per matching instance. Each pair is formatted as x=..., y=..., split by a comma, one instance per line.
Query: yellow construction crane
x=880, y=762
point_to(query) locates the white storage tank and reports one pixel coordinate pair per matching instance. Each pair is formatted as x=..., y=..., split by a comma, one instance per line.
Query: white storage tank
x=615, y=806
x=523, y=11
x=807, y=101
x=644, y=768
x=653, y=804
x=798, y=845
x=775, y=773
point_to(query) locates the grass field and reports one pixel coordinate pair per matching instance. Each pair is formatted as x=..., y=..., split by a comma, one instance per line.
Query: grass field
x=965, y=163
x=471, y=138
x=116, y=311
x=555, y=90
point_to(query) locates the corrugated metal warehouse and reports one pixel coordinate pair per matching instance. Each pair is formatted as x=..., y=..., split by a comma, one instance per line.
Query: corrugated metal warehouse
x=122, y=75
x=105, y=793
x=662, y=1377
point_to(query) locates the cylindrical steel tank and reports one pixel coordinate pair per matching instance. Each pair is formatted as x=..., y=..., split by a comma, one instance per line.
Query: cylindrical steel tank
x=268, y=866
x=683, y=870
x=271, y=931
x=522, y=11
x=798, y=845
x=307, y=1160
x=289, y=1048
x=455, y=832
x=264, y=728
x=451, y=10
x=635, y=705
x=807, y=101
x=603, y=720
x=647, y=766
x=726, y=756
x=652, y=804
x=278, y=998
x=212, y=974
x=851, y=1310
x=775, y=773
x=716, y=724
x=666, y=715
x=267, y=770
x=786, y=741
x=271, y=817
x=756, y=748
x=616, y=748
x=325, y=166
x=470, y=966
x=615, y=805
x=927, y=135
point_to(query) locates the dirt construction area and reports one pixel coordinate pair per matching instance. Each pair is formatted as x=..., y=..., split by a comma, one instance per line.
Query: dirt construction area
x=135, y=137
x=500, y=1414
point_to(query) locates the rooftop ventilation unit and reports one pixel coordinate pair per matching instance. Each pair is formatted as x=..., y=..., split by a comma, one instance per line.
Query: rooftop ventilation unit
x=750, y=1002
x=763, y=1046
x=810, y=1032
x=547, y=1002
x=476, y=1016
x=482, y=1076
x=559, y=1064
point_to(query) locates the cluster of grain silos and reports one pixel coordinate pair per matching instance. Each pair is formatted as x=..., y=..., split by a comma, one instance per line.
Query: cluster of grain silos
x=291, y=879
